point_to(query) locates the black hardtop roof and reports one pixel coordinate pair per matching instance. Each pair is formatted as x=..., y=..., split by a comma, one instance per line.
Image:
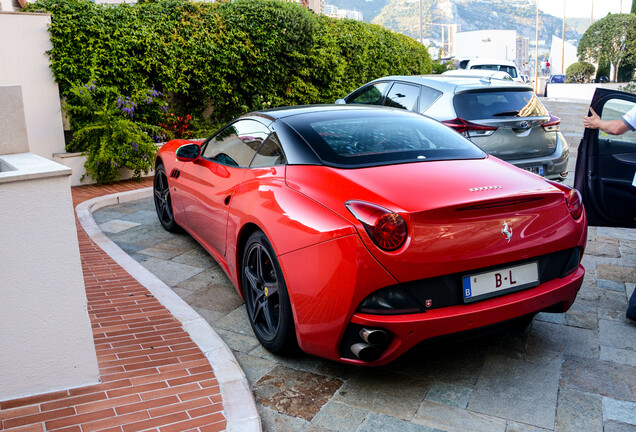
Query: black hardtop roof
x=283, y=112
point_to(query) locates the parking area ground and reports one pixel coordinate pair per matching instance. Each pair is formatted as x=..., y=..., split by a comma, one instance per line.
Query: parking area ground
x=568, y=372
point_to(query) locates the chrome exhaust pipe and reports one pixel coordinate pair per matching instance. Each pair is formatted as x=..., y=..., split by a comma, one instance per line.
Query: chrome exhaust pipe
x=365, y=352
x=374, y=336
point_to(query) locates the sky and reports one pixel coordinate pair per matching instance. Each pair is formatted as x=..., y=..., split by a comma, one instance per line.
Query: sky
x=583, y=8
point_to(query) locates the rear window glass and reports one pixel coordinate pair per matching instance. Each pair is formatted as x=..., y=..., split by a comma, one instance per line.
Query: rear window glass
x=485, y=105
x=511, y=70
x=371, y=95
x=403, y=96
x=383, y=137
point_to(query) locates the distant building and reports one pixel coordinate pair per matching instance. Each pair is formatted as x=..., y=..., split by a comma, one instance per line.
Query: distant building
x=499, y=44
x=331, y=10
x=318, y=6
x=336, y=12
x=523, y=56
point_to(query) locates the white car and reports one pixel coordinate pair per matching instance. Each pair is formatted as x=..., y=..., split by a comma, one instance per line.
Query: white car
x=480, y=73
x=507, y=66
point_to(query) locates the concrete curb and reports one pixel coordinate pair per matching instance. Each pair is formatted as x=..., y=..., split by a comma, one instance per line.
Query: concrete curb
x=238, y=401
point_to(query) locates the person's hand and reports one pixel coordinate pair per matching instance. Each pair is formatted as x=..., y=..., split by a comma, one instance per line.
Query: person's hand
x=591, y=122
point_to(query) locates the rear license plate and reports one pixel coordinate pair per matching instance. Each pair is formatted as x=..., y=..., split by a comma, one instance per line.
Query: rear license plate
x=538, y=170
x=493, y=283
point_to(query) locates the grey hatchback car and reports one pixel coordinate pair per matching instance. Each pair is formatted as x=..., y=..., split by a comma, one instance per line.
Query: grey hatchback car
x=505, y=119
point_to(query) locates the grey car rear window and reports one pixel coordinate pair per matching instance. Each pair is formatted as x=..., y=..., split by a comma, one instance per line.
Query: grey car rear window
x=484, y=105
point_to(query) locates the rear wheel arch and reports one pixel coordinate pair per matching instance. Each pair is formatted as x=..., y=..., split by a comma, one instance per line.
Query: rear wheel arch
x=158, y=161
x=246, y=231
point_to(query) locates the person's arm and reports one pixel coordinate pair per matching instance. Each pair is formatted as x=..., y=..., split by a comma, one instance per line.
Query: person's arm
x=613, y=127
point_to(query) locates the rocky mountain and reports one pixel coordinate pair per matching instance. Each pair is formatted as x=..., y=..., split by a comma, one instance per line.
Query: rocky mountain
x=402, y=16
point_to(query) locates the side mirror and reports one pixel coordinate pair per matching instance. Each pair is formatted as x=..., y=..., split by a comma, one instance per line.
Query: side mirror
x=188, y=152
x=340, y=102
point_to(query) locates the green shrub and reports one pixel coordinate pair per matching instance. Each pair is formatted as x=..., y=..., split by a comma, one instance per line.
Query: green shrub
x=107, y=133
x=630, y=87
x=604, y=69
x=224, y=58
x=441, y=67
x=215, y=60
x=579, y=72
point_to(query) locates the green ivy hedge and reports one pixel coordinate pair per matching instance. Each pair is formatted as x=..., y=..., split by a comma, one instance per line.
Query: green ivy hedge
x=223, y=58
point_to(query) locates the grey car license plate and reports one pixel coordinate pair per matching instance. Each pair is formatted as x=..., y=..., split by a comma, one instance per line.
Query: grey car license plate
x=538, y=170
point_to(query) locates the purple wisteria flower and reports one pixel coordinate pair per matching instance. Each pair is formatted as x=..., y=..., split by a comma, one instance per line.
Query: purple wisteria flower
x=126, y=106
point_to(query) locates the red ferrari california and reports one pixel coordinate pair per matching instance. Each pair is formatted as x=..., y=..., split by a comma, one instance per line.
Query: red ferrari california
x=359, y=232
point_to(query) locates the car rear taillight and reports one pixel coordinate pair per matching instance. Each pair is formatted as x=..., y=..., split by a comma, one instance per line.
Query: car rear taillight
x=575, y=203
x=387, y=229
x=552, y=125
x=469, y=129
x=573, y=199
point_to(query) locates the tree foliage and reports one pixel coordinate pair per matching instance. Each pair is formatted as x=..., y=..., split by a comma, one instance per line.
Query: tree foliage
x=611, y=39
x=579, y=72
x=222, y=58
x=209, y=61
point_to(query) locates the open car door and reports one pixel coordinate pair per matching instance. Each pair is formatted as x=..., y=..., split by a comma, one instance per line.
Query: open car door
x=606, y=165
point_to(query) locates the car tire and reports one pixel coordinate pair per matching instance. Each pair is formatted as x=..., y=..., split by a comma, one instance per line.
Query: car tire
x=163, y=202
x=266, y=298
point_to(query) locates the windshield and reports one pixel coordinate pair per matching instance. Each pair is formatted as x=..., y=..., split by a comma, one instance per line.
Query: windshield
x=511, y=70
x=484, y=105
x=380, y=137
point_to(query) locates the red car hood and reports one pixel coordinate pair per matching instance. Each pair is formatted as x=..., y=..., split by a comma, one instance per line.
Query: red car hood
x=455, y=212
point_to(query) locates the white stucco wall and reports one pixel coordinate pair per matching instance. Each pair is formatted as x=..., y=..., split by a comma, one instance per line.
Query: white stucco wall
x=13, y=138
x=46, y=338
x=24, y=40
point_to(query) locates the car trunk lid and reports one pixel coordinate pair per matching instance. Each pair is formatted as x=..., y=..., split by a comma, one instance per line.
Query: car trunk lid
x=456, y=212
x=515, y=138
x=511, y=124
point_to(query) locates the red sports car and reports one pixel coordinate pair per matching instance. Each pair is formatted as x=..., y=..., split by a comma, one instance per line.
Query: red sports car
x=358, y=232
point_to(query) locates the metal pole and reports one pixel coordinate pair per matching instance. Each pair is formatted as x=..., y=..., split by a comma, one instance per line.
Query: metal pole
x=589, y=50
x=421, y=40
x=536, y=59
x=443, y=44
x=563, y=42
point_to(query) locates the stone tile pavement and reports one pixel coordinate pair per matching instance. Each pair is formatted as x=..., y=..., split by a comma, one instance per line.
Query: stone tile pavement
x=569, y=372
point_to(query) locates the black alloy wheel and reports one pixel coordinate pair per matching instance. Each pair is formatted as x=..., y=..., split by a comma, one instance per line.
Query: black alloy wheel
x=266, y=298
x=163, y=203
